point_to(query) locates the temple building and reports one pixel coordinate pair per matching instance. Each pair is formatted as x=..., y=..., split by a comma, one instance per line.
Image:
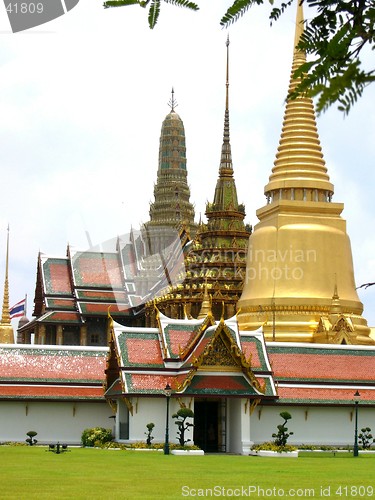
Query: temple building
x=294, y=340
x=73, y=294
x=299, y=273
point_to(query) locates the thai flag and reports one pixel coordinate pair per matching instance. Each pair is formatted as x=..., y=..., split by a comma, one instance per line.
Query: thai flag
x=18, y=309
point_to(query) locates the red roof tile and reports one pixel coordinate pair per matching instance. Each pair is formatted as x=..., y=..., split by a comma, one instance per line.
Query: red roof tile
x=55, y=392
x=97, y=269
x=56, y=273
x=315, y=365
x=102, y=307
x=248, y=348
x=324, y=393
x=20, y=364
x=143, y=351
x=179, y=338
x=150, y=382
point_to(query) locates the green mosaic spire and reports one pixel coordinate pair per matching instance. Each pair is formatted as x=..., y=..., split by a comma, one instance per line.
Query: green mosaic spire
x=225, y=215
x=172, y=208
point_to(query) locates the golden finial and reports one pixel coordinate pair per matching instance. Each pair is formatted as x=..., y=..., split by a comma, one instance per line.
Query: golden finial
x=172, y=101
x=206, y=304
x=222, y=312
x=5, y=318
x=335, y=304
x=227, y=79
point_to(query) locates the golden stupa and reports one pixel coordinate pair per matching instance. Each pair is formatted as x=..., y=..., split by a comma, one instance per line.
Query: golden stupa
x=6, y=329
x=299, y=275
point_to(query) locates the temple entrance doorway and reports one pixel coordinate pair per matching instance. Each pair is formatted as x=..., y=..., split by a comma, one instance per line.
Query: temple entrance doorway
x=210, y=425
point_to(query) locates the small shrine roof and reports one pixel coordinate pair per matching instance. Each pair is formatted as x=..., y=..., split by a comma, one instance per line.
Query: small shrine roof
x=146, y=359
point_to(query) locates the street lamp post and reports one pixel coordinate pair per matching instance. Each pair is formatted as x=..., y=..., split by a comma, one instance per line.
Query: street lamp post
x=167, y=393
x=356, y=401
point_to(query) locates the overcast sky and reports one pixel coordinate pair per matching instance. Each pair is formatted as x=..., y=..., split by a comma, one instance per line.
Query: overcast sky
x=82, y=100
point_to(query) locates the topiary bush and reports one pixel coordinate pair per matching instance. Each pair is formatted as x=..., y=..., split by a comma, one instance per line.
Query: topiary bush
x=97, y=436
x=31, y=439
x=149, y=435
x=282, y=435
x=365, y=438
x=181, y=416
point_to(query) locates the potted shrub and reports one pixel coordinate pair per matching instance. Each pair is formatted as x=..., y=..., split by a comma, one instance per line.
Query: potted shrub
x=279, y=446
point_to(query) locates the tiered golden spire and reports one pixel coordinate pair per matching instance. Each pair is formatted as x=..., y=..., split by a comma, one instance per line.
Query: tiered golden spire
x=225, y=205
x=299, y=171
x=6, y=329
x=226, y=166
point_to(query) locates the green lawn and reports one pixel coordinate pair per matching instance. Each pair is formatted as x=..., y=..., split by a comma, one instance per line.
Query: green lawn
x=83, y=473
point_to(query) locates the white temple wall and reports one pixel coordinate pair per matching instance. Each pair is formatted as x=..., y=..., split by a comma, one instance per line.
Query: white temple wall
x=311, y=425
x=238, y=426
x=53, y=421
x=147, y=410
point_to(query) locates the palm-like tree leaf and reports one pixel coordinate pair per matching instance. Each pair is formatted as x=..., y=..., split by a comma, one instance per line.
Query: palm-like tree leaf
x=237, y=10
x=183, y=3
x=153, y=13
x=119, y=3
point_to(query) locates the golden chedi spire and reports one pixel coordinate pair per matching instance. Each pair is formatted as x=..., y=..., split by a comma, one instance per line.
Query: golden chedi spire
x=299, y=169
x=6, y=329
x=299, y=250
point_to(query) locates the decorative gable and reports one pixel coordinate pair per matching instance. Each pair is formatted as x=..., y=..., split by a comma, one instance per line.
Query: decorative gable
x=219, y=355
x=222, y=355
